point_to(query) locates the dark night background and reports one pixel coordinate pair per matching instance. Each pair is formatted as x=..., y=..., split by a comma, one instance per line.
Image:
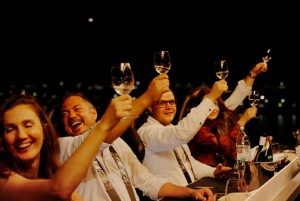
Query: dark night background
x=45, y=44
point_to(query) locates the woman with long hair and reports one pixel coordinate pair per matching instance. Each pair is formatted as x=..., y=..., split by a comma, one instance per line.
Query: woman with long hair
x=215, y=141
x=29, y=167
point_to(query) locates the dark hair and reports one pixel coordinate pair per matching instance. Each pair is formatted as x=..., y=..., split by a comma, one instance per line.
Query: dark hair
x=50, y=148
x=85, y=98
x=226, y=119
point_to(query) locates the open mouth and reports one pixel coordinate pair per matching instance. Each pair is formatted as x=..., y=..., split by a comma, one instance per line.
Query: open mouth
x=23, y=146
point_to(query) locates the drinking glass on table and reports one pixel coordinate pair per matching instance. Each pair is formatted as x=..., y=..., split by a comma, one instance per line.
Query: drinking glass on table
x=236, y=189
x=254, y=98
x=219, y=197
x=162, y=61
x=221, y=70
x=123, y=80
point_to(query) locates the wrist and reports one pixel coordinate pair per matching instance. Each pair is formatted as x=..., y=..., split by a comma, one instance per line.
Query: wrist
x=252, y=75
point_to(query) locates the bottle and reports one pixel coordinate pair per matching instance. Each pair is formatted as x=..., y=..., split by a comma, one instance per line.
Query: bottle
x=243, y=147
x=262, y=141
x=266, y=154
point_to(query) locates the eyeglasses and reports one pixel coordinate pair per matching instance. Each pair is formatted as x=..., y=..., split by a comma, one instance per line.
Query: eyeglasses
x=163, y=103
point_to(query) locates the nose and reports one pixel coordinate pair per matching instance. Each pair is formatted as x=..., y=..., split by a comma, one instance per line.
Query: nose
x=168, y=105
x=21, y=134
x=72, y=114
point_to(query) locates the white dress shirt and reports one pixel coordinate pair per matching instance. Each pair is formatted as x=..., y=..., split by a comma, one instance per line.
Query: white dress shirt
x=91, y=187
x=160, y=141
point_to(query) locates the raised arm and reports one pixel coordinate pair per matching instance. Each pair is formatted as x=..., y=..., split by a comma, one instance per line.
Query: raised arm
x=63, y=183
x=158, y=86
x=244, y=86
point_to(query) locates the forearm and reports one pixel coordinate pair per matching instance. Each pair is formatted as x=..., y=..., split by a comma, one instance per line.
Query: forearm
x=238, y=95
x=171, y=190
x=70, y=174
x=138, y=106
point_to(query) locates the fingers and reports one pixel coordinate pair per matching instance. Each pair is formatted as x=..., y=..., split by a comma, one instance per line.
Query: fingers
x=120, y=106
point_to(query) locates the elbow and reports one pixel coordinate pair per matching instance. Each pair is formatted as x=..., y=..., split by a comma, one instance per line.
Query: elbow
x=59, y=193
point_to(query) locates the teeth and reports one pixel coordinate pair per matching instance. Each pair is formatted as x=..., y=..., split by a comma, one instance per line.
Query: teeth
x=24, y=145
x=76, y=123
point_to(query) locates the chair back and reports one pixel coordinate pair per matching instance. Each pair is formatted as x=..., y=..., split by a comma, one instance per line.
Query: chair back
x=132, y=138
x=186, y=106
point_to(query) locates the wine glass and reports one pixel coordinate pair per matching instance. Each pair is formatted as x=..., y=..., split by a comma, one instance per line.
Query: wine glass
x=162, y=61
x=254, y=98
x=222, y=71
x=267, y=57
x=219, y=196
x=122, y=80
x=236, y=189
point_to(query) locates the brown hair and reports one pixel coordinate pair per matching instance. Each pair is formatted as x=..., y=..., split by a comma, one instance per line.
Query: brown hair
x=226, y=119
x=50, y=148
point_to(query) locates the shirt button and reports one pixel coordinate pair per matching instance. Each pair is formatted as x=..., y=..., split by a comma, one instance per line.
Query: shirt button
x=200, y=123
x=209, y=109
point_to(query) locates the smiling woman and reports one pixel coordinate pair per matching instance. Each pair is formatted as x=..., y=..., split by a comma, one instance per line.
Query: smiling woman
x=29, y=151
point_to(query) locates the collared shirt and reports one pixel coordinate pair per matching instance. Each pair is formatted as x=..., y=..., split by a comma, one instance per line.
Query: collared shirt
x=91, y=187
x=160, y=141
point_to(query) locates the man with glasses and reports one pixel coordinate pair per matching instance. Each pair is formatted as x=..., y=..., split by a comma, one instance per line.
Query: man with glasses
x=167, y=154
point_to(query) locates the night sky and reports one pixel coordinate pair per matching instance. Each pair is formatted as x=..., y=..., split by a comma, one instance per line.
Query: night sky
x=50, y=42
x=53, y=42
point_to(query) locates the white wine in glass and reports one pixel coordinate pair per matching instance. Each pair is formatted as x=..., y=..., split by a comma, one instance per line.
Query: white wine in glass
x=254, y=98
x=162, y=61
x=122, y=80
x=222, y=70
x=267, y=57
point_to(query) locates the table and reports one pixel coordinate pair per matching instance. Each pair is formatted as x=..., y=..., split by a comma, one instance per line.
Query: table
x=285, y=185
x=219, y=186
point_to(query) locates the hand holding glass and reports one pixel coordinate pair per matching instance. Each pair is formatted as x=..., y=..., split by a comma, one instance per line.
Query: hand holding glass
x=254, y=98
x=162, y=61
x=122, y=80
x=222, y=70
x=267, y=57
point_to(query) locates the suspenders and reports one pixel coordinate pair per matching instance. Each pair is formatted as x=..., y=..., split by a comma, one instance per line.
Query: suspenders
x=109, y=188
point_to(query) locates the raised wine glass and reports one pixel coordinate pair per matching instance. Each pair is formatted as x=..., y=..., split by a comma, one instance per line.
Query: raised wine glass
x=162, y=61
x=122, y=80
x=267, y=57
x=222, y=71
x=254, y=98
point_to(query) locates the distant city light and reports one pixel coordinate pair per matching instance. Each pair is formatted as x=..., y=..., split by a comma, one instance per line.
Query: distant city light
x=279, y=105
x=281, y=83
x=262, y=97
x=90, y=19
x=282, y=100
x=266, y=100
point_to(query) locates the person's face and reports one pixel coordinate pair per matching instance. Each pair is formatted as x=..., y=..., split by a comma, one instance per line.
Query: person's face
x=164, y=113
x=215, y=113
x=23, y=133
x=78, y=115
